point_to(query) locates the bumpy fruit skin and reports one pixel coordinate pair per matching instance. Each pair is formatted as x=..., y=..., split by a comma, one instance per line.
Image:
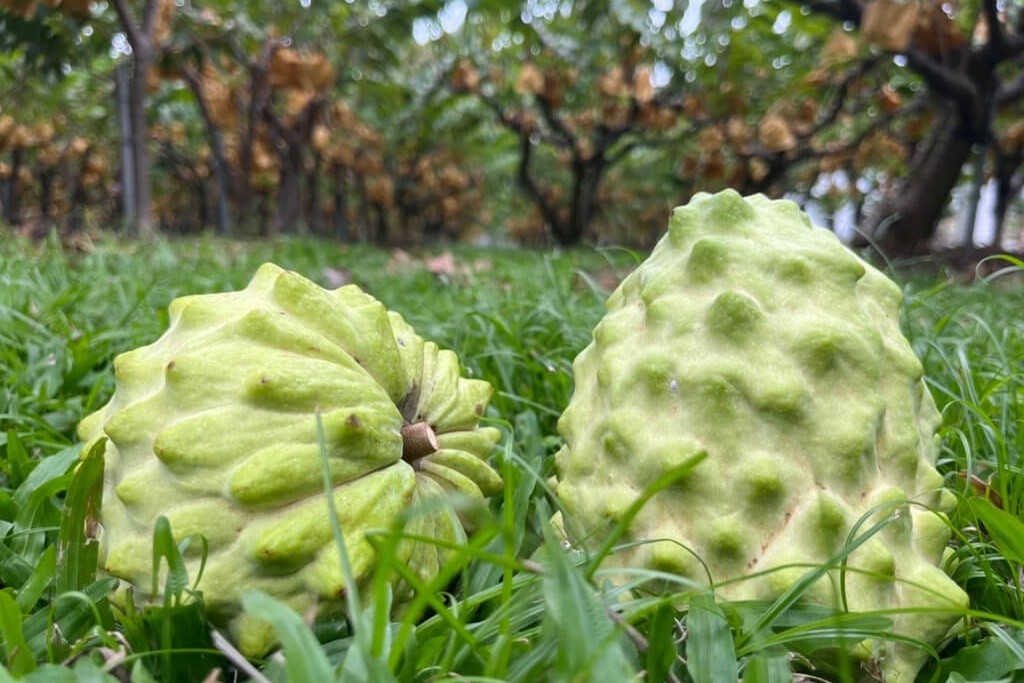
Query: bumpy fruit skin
x=759, y=339
x=214, y=427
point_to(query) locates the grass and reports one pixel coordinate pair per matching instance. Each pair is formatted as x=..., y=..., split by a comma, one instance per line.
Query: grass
x=512, y=604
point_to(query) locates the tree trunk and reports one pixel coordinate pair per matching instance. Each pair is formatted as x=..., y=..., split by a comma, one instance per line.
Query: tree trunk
x=342, y=231
x=365, y=220
x=383, y=225
x=1008, y=186
x=124, y=120
x=140, y=37
x=907, y=218
x=143, y=63
x=12, y=208
x=313, y=182
x=46, y=179
x=289, y=191
x=221, y=172
x=259, y=95
x=587, y=175
x=73, y=169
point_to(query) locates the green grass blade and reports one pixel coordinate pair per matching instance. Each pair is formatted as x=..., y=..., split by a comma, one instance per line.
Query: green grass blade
x=768, y=667
x=42, y=576
x=14, y=569
x=16, y=464
x=662, y=652
x=588, y=639
x=305, y=660
x=165, y=548
x=710, y=651
x=49, y=468
x=17, y=654
x=77, y=542
x=68, y=618
x=989, y=660
x=1006, y=531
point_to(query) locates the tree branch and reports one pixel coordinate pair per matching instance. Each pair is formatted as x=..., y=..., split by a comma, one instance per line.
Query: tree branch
x=996, y=35
x=131, y=27
x=561, y=130
x=150, y=11
x=1011, y=93
x=842, y=10
x=843, y=91
x=941, y=79
x=526, y=180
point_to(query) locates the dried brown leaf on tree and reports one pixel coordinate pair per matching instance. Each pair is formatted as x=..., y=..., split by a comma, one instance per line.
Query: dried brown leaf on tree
x=935, y=31
x=1013, y=139
x=320, y=139
x=529, y=80
x=840, y=47
x=25, y=9
x=164, y=20
x=775, y=134
x=889, y=24
x=293, y=70
x=889, y=99
x=465, y=77
x=738, y=133
x=612, y=83
x=643, y=84
x=757, y=169
x=710, y=139
x=380, y=190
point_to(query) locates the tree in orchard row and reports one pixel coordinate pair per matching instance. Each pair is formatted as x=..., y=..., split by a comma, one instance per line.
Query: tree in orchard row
x=579, y=92
x=586, y=93
x=971, y=63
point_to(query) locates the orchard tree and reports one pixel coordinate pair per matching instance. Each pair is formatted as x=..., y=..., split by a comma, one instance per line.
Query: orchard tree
x=970, y=58
x=581, y=87
x=55, y=121
x=801, y=108
x=266, y=79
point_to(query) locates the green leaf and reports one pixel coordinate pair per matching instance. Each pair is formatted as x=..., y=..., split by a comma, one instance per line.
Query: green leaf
x=1006, y=531
x=588, y=640
x=17, y=654
x=661, y=639
x=305, y=661
x=989, y=660
x=79, y=547
x=14, y=569
x=187, y=650
x=17, y=463
x=30, y=591
x=768, y=667
x=71, y=614
x=48, y=469
x=164, y=548
x=710, y=651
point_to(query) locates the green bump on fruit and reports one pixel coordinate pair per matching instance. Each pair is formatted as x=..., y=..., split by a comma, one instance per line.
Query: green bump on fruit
x=733, y=316
x=214, y=426
x=762, y=341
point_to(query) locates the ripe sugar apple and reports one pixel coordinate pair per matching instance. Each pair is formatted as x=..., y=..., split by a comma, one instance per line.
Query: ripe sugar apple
x=752, y=336
x=214, y=427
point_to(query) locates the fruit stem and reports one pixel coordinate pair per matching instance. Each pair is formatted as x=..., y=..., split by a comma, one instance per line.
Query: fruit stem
x=418, y=440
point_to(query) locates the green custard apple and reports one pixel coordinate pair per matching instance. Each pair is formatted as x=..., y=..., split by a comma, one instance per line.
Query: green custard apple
x=214, y=426
x=758, y=339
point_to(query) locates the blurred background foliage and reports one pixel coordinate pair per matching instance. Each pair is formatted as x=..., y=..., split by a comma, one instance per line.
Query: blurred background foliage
x=533, y=122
